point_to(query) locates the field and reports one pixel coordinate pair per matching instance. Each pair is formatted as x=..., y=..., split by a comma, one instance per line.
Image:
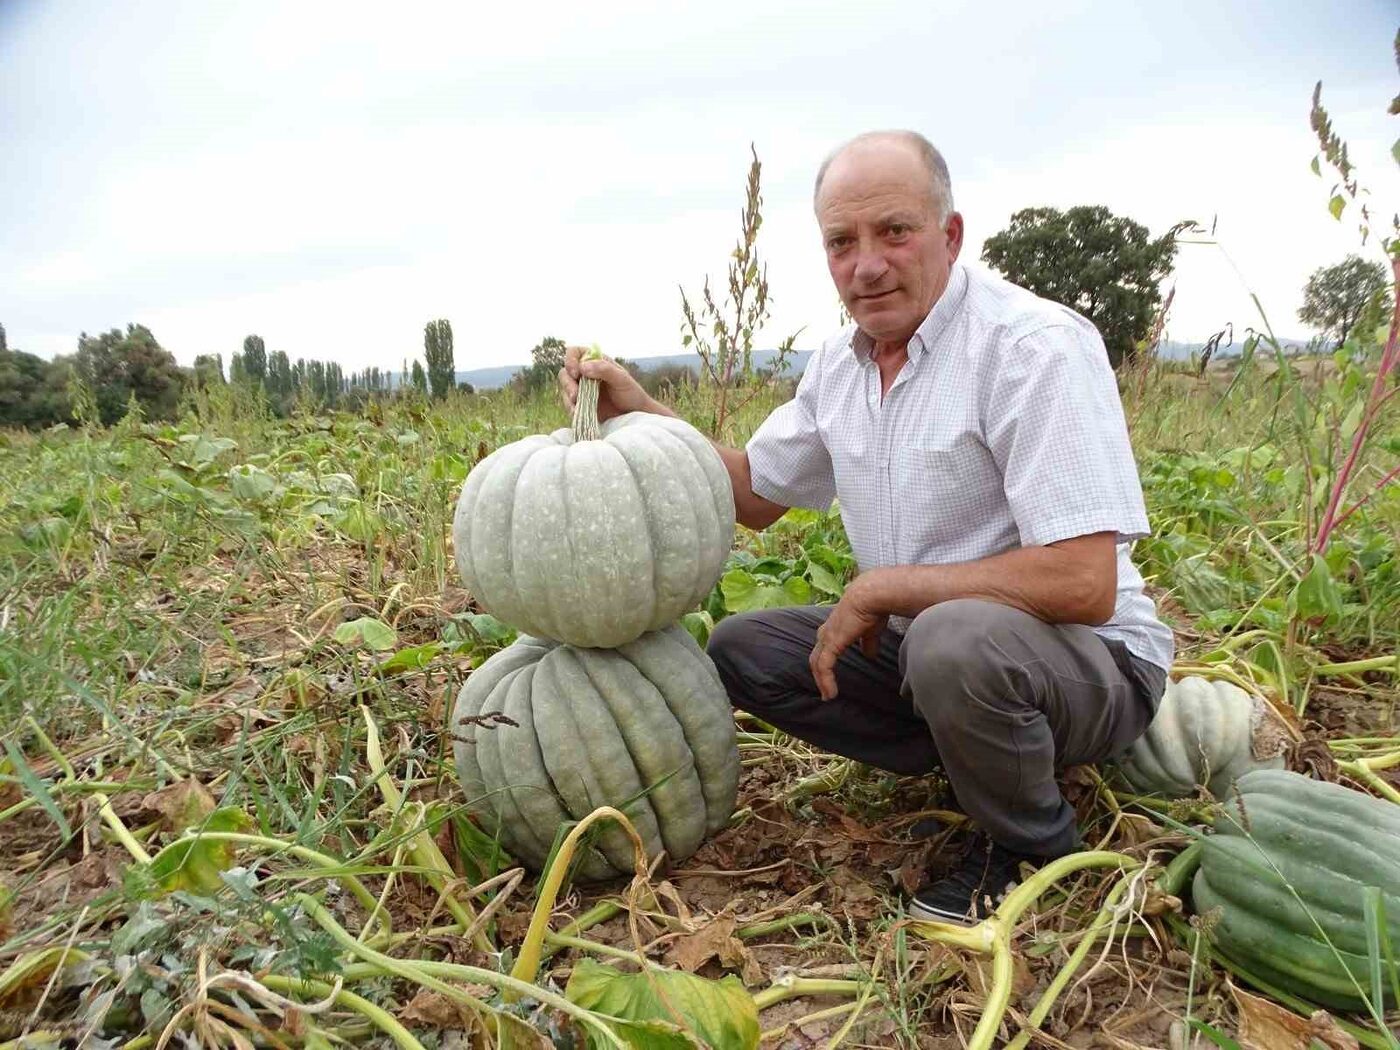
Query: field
x=252, y=627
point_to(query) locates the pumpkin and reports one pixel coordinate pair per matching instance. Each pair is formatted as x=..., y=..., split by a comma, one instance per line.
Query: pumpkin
x=1286, y=871
x=594, y=542
x=1205, y=733
x=545, y=733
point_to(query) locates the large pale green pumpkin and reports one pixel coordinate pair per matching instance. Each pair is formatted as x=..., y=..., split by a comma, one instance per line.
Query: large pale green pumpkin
x=594, y=542
x=545, y=733
x=1206, y=733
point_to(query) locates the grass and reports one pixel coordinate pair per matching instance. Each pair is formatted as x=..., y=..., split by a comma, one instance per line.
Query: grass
x=252, y=626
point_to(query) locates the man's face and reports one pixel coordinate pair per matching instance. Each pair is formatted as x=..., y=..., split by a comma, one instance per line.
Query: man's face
x=885, y=249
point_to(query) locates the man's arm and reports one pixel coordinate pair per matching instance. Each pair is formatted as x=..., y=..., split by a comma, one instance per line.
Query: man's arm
x=620, y=392
x=1071, y=581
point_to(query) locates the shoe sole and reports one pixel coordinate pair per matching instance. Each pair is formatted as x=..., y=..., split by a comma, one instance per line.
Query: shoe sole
x=923, y=913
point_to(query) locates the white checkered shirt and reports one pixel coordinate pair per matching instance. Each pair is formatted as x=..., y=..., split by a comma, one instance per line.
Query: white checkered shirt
x=1003, y=430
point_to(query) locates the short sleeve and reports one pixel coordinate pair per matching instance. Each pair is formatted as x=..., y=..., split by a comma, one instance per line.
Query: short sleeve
x=788, y=460
x=1054, y=423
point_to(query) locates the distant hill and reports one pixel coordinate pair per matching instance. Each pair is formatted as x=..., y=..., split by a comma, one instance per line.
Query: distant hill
x=495, y=378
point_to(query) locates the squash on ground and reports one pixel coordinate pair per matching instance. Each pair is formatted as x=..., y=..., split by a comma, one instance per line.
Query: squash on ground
x=1205, y=733
x=1286, y=873
x=545, y=733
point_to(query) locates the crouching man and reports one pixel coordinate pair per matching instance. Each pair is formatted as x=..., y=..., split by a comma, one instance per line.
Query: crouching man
x=998, y=629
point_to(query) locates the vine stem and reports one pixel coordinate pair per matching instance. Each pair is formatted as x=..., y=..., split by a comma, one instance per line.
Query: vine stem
x=418, y=974
x=528, y=963
x=992, y=936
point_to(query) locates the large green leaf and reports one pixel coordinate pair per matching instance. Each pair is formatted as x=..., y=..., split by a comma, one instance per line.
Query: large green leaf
x=744, y=592
x=1316, y=597
x=720, y=1013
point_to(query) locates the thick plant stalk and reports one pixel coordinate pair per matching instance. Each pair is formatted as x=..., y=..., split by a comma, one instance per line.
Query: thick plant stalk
x=377, y=1016
x=586, y=405
x=528, y=964
x=992, y=936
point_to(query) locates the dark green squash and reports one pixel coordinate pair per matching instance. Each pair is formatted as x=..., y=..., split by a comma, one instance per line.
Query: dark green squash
x=1283, y=878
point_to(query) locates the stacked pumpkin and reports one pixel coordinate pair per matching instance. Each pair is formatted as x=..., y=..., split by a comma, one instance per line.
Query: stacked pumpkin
x=592, y=542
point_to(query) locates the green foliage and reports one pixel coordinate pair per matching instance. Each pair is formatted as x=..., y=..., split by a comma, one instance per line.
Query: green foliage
x=254, y=359
x=419, y=380
x=1101, y=265
x=1337, y=297
x=119, y=367
x=437, y=351
x=546, y=358
x=33, y=392
x=719, y=1014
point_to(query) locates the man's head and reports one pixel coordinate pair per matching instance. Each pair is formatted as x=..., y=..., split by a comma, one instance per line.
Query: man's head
x=885, y=207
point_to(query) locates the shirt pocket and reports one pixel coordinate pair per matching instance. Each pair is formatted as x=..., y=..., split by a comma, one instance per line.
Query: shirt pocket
x=953, y=492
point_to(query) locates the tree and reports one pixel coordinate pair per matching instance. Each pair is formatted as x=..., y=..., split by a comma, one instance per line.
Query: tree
x=437, y=351
x=1336, y=297
x=32, y=391
x=3, y=344
x=118, y=367
x=208, y=370
x=546, y=359
x=1101, y=265
x=254, y=359
x=420, y=378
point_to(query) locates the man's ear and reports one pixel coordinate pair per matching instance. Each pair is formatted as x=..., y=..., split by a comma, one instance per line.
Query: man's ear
x=953, y=229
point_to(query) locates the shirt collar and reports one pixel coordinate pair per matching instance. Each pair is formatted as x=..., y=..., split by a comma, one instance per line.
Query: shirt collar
x=931, y=326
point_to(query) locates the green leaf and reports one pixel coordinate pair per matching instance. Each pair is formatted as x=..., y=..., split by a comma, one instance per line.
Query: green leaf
x=251, y=482
x=1316, y=596
x=1317, y=168
x=1336, y=205
x=414, y=658
x=1395, y=151
x=720, y=1013
x=743, y=592
x=193, y=864
x=367, y=631
x=699, y=624
x=37, y=788
x=1217, y=1037
x=823, y=579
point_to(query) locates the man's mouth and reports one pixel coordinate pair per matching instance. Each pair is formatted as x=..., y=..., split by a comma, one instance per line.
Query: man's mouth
x=878, y=295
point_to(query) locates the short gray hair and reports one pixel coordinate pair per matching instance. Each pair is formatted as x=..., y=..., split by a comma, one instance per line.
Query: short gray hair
x=940, y=184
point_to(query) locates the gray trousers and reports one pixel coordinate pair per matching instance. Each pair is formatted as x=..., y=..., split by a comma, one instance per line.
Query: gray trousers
x=996, y=698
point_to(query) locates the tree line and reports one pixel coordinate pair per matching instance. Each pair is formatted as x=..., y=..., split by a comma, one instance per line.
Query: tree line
x=1104, y=266
x=114, y=371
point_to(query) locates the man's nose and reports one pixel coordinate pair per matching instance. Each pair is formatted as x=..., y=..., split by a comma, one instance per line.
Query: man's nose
x=870, y=265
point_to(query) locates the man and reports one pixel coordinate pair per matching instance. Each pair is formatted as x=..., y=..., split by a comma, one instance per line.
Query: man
x=973, y=433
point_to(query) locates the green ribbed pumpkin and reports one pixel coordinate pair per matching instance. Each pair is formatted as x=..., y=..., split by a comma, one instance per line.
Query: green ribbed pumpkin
x=1205, y=732
x=595, y=542
x=597, y=727
x=1328, y=843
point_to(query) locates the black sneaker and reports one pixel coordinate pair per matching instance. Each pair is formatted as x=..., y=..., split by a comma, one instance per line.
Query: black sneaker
x=972, y=890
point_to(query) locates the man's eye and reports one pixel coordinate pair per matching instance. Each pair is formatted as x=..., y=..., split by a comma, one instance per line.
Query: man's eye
x=837, y=243
x=897, y=229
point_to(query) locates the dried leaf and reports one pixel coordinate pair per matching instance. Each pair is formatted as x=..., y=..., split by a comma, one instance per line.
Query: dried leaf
x=180, y=805
x=1265, y=1025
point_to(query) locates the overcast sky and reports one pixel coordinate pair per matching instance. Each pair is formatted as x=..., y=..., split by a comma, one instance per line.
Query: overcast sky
x=332, y=176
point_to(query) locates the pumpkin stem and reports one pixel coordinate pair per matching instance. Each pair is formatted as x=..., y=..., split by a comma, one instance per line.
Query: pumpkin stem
x=586, y=406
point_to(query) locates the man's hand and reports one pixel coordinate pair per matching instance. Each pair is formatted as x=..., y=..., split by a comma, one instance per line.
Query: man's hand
x=860, y=615
x=618, y=391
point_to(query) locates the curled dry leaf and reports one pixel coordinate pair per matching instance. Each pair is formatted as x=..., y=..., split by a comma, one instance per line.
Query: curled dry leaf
x=1265, y=1025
